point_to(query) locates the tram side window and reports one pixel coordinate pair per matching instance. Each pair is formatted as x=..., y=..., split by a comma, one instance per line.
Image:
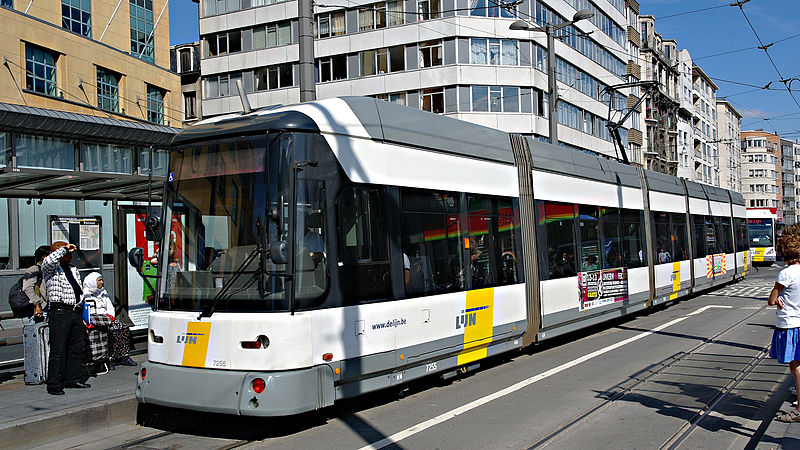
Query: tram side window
x=742, y=243
x=662, y=238
x=431, y=242
x=699, y=236
x=613, y=255
x=716, y=245
x=589, y=223
x=492, y=241
x=680, y=249
x=364, y=269
x=556, y=226
x=633, y=251
x=725, y=239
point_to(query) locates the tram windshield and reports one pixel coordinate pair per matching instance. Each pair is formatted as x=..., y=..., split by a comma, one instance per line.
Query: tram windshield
x=761, y=232
x=220, y=199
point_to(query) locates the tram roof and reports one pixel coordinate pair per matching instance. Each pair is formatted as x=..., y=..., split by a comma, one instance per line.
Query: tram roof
x=378, y=119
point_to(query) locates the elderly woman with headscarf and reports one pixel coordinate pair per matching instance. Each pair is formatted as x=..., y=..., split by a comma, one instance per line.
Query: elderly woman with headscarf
x=103, y=325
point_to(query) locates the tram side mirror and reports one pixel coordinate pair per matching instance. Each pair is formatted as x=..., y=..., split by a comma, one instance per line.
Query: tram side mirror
x=153, y=231
x=136, y=258
x=276, y=215
x=278, y=253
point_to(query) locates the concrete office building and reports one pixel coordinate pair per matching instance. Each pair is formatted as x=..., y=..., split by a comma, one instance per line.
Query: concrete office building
x=85, y=91
x=729, y=122
x=762, y=177
x=450, y=57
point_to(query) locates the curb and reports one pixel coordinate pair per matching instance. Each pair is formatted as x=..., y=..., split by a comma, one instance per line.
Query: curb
x=41, y=429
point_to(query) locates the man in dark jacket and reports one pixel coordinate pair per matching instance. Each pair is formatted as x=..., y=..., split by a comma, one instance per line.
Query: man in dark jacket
x=67, y=331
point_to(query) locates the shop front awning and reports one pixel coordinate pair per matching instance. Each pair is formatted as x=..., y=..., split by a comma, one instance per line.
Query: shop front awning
x=46, y=183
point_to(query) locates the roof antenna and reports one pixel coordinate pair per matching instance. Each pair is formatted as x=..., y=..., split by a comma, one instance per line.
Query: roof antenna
x=245, y=103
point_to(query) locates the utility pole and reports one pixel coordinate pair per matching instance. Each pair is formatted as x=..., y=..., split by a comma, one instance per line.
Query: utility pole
x=305, y=16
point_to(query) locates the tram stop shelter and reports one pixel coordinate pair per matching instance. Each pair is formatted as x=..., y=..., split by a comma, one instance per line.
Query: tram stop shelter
x=54, y=162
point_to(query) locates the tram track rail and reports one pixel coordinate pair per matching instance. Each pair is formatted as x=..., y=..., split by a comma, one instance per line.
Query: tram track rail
x=682, y=433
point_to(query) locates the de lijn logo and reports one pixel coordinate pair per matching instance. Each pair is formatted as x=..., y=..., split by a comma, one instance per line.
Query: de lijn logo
x=468, y=317
x=188, y=338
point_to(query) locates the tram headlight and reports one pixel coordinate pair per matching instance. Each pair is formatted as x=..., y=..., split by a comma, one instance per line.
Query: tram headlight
x=258, y=385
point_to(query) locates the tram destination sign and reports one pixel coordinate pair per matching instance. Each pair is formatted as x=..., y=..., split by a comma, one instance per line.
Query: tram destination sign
x=601, y=287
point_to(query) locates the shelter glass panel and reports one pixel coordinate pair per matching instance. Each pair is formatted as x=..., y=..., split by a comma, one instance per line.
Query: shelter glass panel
x=33, y=225
x=103, y=209
x=107, y=158
x=5, y=235
x=5, y=148
x=160, y=160
x=44, y=152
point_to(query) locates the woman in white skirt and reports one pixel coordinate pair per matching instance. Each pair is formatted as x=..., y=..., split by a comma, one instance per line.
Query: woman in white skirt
x=786, y=296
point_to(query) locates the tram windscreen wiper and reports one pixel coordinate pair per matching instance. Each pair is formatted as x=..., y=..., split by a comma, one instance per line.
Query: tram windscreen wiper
x=209, y=310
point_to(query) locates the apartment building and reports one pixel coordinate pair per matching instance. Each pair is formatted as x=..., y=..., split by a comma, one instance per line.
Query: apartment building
x=185, y=61
x=729, y=122
x=762, y=170
x=685, y=117
x=87, y=106
x=659, y=57
x=451, y=57
x=796, y=147
x=89, y=57
x=704, y=100
x=788, y=181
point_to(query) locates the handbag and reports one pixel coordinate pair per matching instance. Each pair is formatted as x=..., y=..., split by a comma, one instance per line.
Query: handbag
x=87, y=311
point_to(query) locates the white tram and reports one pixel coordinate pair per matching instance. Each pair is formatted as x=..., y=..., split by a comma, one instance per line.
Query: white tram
x=329, y=249
x=764, y=229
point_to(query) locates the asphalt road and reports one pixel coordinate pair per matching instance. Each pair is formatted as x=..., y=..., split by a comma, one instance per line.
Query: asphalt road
x=690, y=375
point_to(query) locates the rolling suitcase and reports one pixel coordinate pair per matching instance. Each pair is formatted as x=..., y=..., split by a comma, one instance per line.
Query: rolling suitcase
x=36, y=343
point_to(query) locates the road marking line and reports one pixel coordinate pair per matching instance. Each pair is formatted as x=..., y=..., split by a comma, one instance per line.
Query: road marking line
x=704, y=308
x=399, y=436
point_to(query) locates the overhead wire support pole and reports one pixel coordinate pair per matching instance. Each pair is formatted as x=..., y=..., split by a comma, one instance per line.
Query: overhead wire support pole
x=305, y=16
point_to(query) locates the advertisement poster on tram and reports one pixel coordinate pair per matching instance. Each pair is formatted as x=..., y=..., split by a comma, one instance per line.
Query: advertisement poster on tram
x=716, y=265
x=602, y=287
x=142, y=291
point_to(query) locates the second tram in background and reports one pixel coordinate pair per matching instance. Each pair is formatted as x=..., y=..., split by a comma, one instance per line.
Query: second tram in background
x=764, y=228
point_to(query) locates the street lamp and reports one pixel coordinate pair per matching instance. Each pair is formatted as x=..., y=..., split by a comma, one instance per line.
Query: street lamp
x=550, y=29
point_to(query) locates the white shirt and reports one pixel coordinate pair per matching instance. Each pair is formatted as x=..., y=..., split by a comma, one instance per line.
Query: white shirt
x=789, y=278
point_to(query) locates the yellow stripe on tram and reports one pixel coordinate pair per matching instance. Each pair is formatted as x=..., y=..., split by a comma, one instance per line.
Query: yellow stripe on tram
x=196, y=346
x=676, y=279
x=478, y=323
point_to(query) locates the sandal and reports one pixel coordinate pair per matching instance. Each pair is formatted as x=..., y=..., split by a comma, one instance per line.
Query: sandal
x=792, y=416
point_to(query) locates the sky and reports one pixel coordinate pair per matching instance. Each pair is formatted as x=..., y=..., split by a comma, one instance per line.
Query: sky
x=741, y=74
x=720, y=40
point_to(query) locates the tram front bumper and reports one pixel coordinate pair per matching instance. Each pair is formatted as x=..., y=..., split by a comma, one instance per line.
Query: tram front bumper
x=231, y=392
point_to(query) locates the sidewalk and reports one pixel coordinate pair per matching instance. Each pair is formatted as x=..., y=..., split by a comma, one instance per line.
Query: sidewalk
x=779, y=435
x=30, y=416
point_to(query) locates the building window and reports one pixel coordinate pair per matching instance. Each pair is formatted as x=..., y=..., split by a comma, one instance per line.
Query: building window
x=329, y=24
x=430, y=54
x=141, y=12
x=107, y=90
x=380, y=15
x=274, y=77
x=222, y=85
x=492, y=8
x=40, y=70
x=429, y=9
x=383, y=60
x=272, y=35
x=433, y=100
x=7, y=4
x=397, y=97
x=186, y=60
x=189, y=105
x=155, y=104
x=76, y=16
x=494, y=52
x=332, y=68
